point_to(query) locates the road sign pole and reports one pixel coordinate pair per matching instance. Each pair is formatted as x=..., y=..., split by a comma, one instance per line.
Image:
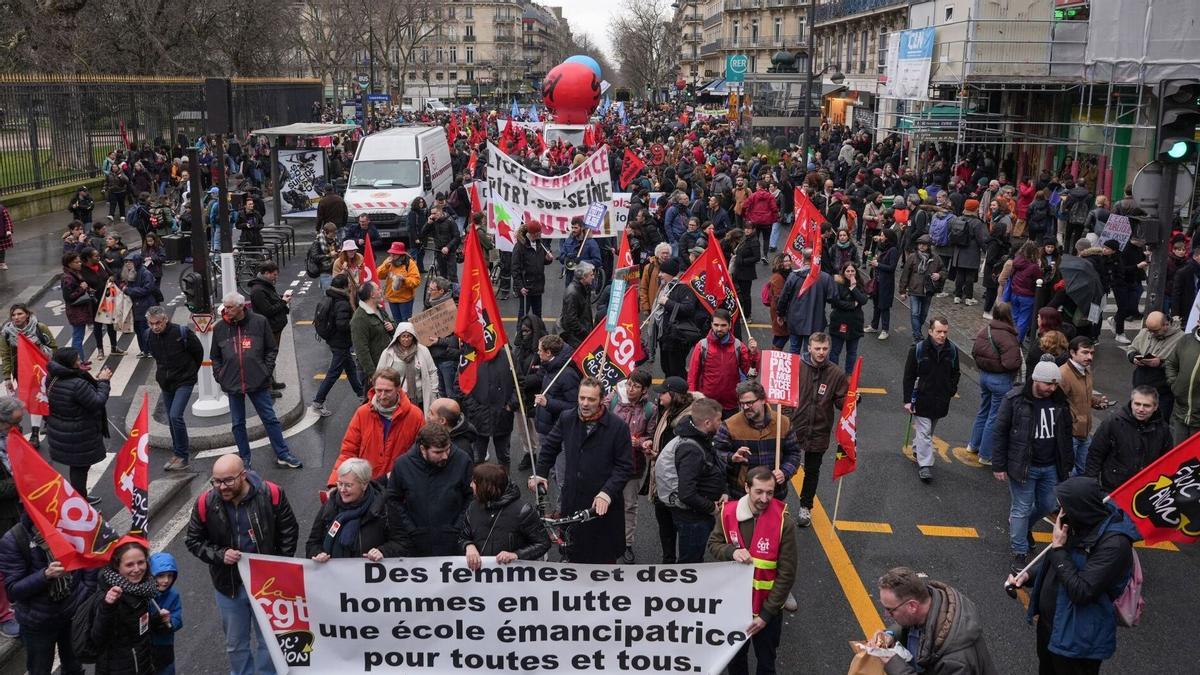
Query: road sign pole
x=210, y=402
x=1158, y=236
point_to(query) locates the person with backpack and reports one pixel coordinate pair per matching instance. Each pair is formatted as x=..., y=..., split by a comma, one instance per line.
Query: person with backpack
x=1088, y=584
x=45, y=597
x=332, y=324
x=940, y=222
x=931, y=375
x=400, y=278
x=690, y=479
x=1075, y=207
x=122, y=614
x=177, y=354
x=718, y=362
x=241, y=513
x=922, y=270
x=969, y=235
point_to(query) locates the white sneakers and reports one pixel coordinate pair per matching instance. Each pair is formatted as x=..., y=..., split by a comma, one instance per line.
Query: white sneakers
x=970, y=302
x=883, y=335
x=1122, y=340
x=803, y=517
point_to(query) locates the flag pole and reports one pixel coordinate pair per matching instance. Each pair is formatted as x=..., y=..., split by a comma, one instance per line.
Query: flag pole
x=512, y=368
x=778, y=433
x=837, y=501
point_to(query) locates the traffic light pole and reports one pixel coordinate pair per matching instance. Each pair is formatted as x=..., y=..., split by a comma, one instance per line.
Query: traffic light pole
x=210, y=402
x=1158, y=239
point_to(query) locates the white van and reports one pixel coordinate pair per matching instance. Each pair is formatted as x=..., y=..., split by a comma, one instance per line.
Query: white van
x=391, y=169
x=435, y=105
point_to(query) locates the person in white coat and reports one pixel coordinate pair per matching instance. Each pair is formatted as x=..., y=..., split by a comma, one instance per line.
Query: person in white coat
x=415, y=364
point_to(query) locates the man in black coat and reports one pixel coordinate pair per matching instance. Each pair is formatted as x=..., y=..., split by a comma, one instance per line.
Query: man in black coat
x=560, y=392
x=267, y=301
x=332, y=209
x=578, y=316
x=446, y=237
x=1128, y=440
x=490, y=408
x=680, y=320
x=428, y=493
x=701, y=472
x=529, y=260
x=339, y=343
x=930, y=382
x=177, y=356
x=598, y=463
x=1184, y=287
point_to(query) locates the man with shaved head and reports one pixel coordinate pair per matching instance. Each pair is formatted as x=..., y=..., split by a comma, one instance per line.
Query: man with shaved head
x=1149, y=353
x=241, y=513
x=447, y=412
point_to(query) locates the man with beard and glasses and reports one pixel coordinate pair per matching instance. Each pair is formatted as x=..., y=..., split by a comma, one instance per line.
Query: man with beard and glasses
x=428, y=494
x=747, y=440
x=597, y=463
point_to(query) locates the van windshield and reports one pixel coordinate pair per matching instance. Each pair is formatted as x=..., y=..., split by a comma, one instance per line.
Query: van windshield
x=385, y=173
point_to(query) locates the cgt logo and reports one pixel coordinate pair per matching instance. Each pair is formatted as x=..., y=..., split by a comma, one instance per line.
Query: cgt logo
x=278, y=588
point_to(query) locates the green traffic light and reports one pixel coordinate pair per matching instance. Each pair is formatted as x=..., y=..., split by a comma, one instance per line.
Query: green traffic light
x=1178, y=150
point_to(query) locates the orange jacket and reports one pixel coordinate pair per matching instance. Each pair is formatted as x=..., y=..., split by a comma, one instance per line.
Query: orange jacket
x=364, y=437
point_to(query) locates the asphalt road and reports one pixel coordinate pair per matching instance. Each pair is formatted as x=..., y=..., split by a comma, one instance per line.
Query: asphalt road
x=954, y=529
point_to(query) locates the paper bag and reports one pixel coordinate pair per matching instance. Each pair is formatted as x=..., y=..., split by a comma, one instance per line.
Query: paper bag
x=106, y=312
x=863, y=663
x=123, y=314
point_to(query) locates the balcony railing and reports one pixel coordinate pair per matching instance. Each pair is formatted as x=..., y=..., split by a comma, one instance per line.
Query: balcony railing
x=713, y=19
x=711, y=48
x=736, y=5
x=766, y=42
x=844, y=8
x=691, y=37
x=505, y=37
x=468, y=38
x=692, y=18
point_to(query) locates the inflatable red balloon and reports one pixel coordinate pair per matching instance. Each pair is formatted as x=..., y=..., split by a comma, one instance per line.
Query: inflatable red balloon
x=571, y=91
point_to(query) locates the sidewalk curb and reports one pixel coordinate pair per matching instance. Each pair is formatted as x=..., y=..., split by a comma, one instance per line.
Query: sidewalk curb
x=163, y=493
x=36, y=292
x=218, y=432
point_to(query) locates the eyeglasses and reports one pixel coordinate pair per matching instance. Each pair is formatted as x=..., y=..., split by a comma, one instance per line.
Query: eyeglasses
x=892, y=610
x=747, y=404
x=225, y=482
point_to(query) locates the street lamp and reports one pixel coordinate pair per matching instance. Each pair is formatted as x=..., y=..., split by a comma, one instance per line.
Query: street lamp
x=837, y=78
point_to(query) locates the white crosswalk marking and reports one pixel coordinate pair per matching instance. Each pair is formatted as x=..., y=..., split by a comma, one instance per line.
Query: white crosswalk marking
x=125, y=367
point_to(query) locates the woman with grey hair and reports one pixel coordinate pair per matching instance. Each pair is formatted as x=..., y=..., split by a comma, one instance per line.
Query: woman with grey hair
x=353, y=520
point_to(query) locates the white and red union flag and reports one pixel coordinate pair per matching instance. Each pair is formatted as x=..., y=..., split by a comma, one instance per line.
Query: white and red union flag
x=131, y=479
x=32, y=367
x=610, y=358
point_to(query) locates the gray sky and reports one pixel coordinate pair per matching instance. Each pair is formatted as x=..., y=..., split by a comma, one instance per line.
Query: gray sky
x=588, y=16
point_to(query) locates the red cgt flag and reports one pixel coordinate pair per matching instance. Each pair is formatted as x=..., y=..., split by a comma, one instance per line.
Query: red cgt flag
x=77, y=534
x=130, y=475
x=807, y=228
x=32, y=366
x=478, y=324
x=631, y=166
x=610, y=358
x=814, y=270
x=847, y=429
x=708, y=277
x=1163, y=499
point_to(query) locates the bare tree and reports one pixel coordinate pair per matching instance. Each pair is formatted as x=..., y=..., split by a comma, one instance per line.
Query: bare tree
x=418, y=23
x=646, y=44
x=321, y=31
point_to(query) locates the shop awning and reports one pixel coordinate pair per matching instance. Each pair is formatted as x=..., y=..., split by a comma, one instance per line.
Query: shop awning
x=305, y=129
x=718, y=87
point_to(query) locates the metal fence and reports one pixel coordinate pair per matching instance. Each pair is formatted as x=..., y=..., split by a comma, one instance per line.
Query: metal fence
x=58, y=130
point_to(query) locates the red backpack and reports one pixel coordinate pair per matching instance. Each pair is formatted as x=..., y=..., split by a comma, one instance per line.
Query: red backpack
x=202, y=500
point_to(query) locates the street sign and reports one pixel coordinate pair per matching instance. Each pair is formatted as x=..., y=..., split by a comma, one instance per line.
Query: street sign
x=616, y=295
x=378, y=98
x=1148, y=181
x=202, y=322
x=364, y=80
x=736, y=66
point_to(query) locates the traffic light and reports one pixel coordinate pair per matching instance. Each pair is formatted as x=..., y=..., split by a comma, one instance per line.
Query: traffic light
x=1178, y=116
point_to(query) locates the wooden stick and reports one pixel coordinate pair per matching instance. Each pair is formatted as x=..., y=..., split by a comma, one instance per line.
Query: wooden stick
x=837, y=501
x=512, y=367
x=560, y=372
x=778, y=433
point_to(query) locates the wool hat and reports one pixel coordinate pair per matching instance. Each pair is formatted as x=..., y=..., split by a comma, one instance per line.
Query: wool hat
x=671, y=267
x=971, y=205
x=1113, y=244
x=1045, y=371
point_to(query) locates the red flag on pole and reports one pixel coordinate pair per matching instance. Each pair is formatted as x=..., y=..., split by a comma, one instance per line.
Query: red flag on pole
x=708, y=276
x=77, y=535
x=368, y=273
x=130, y=474
x=631, y=166
x=611, y=358
x=478, y=324
x=1163, y=499
x=476, y=200
x=624, y=255
x=847, y=434
x=32, y=366
x=472, y=162
x=814, y=270
x=806, y=229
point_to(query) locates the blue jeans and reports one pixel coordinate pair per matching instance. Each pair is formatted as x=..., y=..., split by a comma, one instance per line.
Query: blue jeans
x=401, y=311
x=340, y=362
x=774, y=242
x=175, y=403
x=692, y=538
x=1031, y=499
x=798, y=344
x=238, y=622
x=992, y=388
x=778, y=342
x=448, y=378
x=918, y=312
x=324, y=280
x=1081, y=447
x=39, y=649
x=836, y=350
x=1022, y=311
x=261, y=400
x=77, y=333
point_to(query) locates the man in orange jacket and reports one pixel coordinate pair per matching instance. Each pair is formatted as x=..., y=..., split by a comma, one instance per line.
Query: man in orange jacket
x=382, y=429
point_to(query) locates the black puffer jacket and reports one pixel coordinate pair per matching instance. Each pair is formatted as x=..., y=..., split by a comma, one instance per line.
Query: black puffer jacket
x=577, y=319
x=529, y=266
x=76, y=426
x=933, y=374
x=177, y=356
x=373, y=530
x=562, y=394
x=268, y=303
x=1122, y=446
x=507, y=524
x=428, y=503
x=116, y=631
x=342, y=313
x=444, y=232
x=28, y=588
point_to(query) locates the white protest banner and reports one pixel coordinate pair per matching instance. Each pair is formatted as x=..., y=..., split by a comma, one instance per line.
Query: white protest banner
x=301, y=181
x=909, y=59
x=781, y=377
x=1117, y=227
x=434, y=615
x=551, y=200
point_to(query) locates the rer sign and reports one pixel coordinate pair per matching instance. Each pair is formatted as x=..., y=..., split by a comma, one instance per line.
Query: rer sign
x=736, y=66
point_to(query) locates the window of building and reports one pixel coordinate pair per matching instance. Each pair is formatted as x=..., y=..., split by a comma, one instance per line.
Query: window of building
x=470, y=76
x=753, y=31
x=754, y=64
x=824, y=56
x=949, y=13
x=469, y=12
x=454, y=55
x=777, y=33
x=737, y=30
x=441, y=54
x=851, y=51
x=470, y=29
x=470, y=54
x=450, y=14
x=424, y=54
x=882, y=49
x=837, y=53
x=454, y=75
x=862, y=53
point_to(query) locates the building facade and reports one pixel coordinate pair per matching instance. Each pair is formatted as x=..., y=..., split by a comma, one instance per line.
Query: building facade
x=715, y=29
x=851, y=38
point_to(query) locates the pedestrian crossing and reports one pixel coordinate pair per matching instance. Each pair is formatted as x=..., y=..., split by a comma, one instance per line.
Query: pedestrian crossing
x=124, y=368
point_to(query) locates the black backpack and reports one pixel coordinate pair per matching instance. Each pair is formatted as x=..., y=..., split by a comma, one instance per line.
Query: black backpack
x=961, y=231
x=323, y=320
x=81, y=628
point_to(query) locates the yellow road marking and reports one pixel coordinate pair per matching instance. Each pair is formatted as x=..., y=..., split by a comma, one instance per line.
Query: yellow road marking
x=321, y=376
x=852, y=586
x=305, y=322
x=861, y=526
x=545, y=319
x=872, y=391
x=948, y=531
x=1161, y=546
x=1042, y=537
